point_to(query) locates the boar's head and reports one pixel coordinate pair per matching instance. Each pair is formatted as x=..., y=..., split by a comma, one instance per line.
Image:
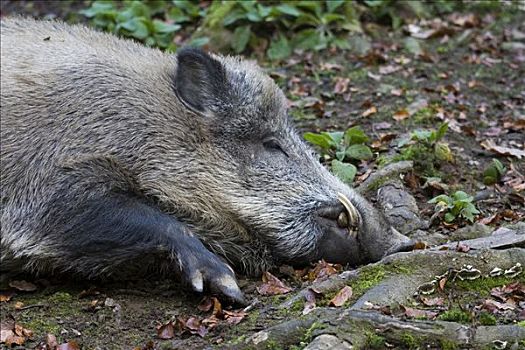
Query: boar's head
x=254, y=168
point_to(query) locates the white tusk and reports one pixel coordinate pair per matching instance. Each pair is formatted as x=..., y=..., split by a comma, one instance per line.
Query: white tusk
x=355, y=218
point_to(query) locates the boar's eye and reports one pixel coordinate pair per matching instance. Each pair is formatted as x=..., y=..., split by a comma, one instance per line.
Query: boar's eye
x=274, y=146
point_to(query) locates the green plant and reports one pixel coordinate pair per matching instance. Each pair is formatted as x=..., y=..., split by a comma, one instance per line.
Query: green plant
x=487, y=319
x=312, y=25
x=493, y=172
x=455, y=315
x=152, y=22
x=459, y=205
x=341, y=148
x=426, y=149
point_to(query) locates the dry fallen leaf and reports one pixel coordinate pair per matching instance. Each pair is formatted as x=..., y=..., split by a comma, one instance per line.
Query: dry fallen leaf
x=13, y=333
x=195, y=326
x=23, y=286
x=234, y=317
x=272, y=285
x=495, y=306
x=323, y=269
x=166, y=331
x=437, y=301
x=341, y=297
x=462, y=248
x=309, y=305
x=507, y=151
x=341, y=85
x=413, y=313
x=5, y=297
x=402, y=114
x=369, y=111
x=51, y=341
x=70, y=345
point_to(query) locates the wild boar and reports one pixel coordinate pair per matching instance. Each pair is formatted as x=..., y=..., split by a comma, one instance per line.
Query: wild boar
x=113, y=153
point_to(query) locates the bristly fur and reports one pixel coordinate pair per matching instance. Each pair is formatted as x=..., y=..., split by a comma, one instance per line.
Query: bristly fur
x=85, y=114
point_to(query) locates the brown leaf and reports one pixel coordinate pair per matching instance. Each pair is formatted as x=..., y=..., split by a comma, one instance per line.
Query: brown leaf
x=6, y=297
x=495, y=306
x=437, y=301
x=417, y=313
x=341, y=85
x=515, y=124
x=397, y=92
x=19, y=305
x=205, y=304
x=309, y=305
x=166, y=331
x=420, y=245
x=507, y=151
x=369, y=112
x=402, y=114
x=442, y=283
x=14, y=339
x=388, y=69
x=217, y=307
x=51, y=341
x=341, y=297
x=23, y=286
x=272, y=285
x=234, y=317
x=462, y=248
x=195, y=326
x=323, y=269
x=70, y=345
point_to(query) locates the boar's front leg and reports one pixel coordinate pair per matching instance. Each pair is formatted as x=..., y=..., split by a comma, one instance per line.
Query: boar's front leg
x=98, y=222
x=120, y=226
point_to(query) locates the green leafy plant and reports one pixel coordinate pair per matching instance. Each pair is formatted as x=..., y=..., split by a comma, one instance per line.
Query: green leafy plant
x=313, y=25
x=342, y=148
x=426, y=149
x=152, y=22
x=458, y=205
x=493, y=173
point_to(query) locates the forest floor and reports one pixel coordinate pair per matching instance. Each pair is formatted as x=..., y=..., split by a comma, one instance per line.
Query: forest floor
x=467, y=70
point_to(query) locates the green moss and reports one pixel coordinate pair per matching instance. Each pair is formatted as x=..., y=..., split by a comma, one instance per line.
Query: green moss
x=273, y=345
x=41, y=326
x=297, y=305
x=483, y=286
x=409, y=341
x=61, y=297
x=521, y=323
x=487, y=319
x=374, y=341
x=358, y=74
x=447, y=344
x=308, y=335
x=455, y=315
x=370, y=276
x=424, y=115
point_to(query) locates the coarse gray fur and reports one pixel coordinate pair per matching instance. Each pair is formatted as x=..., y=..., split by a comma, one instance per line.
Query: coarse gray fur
x=84, y=114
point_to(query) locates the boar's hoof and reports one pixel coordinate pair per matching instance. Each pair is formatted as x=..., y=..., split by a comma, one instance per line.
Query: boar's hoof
x=208, y=271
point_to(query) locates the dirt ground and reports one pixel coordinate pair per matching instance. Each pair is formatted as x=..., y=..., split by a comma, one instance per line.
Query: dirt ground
x=470, y=73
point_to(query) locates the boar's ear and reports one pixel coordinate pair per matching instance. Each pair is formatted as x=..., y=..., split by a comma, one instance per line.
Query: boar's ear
x=200, y=80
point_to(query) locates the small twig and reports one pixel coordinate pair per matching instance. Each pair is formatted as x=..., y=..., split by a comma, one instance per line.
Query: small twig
x=251, y=306
x=31, y=306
